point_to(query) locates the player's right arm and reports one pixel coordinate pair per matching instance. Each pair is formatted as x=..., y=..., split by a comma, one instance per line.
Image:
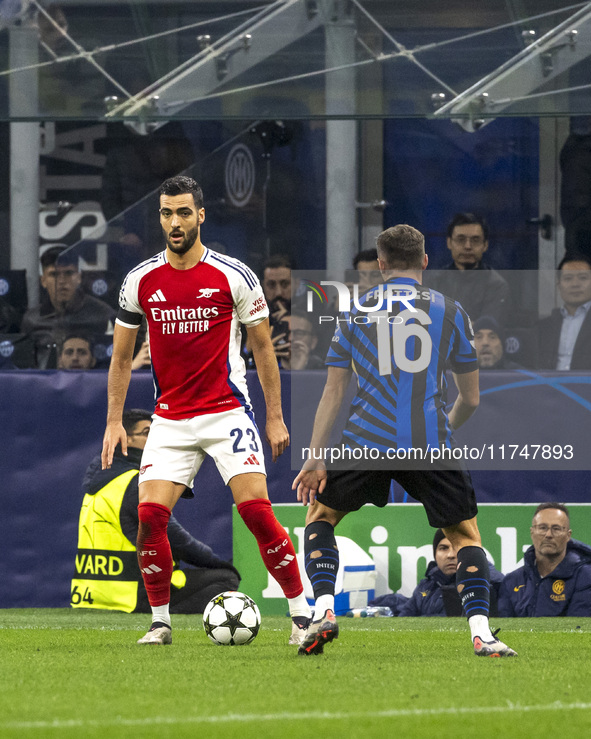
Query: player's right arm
x=467, y=400
x=119, y=377
x=312, y=478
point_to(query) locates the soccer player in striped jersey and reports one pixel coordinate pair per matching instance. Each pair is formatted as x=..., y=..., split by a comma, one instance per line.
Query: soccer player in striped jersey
x=194, y=301
x=399, y=353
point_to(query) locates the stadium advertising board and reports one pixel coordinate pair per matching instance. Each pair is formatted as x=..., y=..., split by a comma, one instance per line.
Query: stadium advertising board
x=397, y=539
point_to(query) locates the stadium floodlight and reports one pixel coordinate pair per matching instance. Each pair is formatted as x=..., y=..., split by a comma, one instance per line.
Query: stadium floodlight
x=540, y=62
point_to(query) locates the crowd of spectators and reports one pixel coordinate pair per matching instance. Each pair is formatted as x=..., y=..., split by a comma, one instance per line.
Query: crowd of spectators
x=558, y=341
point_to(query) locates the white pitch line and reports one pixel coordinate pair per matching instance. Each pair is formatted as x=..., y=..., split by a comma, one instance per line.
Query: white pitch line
x=313, y=715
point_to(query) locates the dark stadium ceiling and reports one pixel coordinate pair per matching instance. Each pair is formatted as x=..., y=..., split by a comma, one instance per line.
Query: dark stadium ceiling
x=151, y=60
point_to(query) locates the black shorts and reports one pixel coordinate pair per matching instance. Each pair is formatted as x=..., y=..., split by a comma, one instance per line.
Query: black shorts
x=447, y=495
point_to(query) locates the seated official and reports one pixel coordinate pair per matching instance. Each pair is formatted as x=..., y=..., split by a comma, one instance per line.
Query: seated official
x=555, y=579
x=564, y=337
x=436, y=594
x=107, y=571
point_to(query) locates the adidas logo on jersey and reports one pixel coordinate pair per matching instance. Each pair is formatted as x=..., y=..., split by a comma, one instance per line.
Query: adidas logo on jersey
x=252, y=460
x=157, y=297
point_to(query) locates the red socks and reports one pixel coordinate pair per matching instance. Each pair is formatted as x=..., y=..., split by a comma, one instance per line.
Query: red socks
x=274, y=544
x=153, y=551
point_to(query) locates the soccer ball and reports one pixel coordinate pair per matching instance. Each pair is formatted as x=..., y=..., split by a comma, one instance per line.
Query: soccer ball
x=231, y=618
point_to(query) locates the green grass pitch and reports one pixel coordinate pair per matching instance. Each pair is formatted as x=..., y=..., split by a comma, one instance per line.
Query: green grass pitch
x=80, y=674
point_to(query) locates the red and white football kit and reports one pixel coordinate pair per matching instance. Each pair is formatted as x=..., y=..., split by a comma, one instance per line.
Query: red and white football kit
x=202, y=403
x=194, y=319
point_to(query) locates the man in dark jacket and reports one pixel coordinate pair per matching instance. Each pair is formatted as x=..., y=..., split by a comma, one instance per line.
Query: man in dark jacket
x=436, y=594
x=107, y=572
x=480, y=290
x=564, y=337
x=64, y=308
x=555, y=579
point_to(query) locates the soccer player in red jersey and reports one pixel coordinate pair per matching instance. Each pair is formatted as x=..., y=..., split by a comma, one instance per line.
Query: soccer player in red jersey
x=194, y=301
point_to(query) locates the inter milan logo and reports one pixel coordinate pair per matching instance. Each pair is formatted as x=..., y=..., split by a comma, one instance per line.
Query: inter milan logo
x=558, y=587
x=558, y=593
x=239, y=175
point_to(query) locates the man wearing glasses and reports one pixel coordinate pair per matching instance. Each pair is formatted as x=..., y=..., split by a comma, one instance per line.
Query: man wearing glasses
x=555, y=579
x=479, y=289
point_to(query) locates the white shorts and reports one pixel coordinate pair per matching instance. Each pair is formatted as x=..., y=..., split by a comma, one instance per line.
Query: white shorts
x=175, y=450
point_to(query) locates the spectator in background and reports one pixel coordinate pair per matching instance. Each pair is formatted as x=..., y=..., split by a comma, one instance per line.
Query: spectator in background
x=76, y=353
x=276, y=280
x=302, y=341
x=555, y=579
x=489, y=342
x=478, y=288
x=64, y=307
x=436, y=594
x=111, y=500
x=276, y=284
x=564, y=337
x=366, y=263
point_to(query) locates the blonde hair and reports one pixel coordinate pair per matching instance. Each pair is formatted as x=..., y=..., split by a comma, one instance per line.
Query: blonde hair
x=401, y=247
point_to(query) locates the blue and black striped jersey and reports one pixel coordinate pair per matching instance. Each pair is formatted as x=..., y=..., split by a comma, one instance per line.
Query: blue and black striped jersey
x=400, y=358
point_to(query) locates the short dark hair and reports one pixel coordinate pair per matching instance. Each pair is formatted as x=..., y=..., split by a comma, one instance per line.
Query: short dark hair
x=181, y=185
x=78, y=335
x=547, y=506
x=133, y=416
x=467, y=219
x=276, y=261
x=573, y=257
x=58, y=253
x=401, y=247
x=367, y=255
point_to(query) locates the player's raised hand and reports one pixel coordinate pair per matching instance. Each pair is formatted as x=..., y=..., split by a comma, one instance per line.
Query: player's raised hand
x=278, y=436
x=114, y=434
x=309, y=483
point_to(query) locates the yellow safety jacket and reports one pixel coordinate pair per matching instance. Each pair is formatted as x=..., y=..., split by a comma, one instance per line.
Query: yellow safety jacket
x=107, y=571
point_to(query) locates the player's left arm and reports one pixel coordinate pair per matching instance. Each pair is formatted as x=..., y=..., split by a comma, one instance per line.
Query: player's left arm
x=259, y=338
x=467, y=400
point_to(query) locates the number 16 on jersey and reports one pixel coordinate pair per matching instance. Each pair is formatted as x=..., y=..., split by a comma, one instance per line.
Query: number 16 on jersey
x=393, y=333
